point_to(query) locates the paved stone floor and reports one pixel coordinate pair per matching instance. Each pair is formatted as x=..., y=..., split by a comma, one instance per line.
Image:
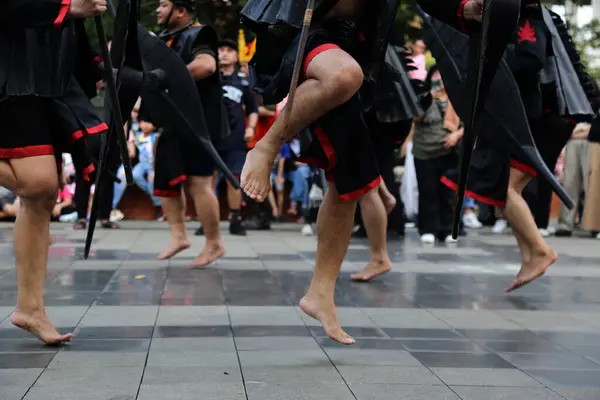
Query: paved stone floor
x=438, y=327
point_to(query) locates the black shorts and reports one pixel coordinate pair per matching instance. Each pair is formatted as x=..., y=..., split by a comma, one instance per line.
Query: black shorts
x=175, y=161
x=34, y=126
x=234, y=159
x=341, y=142
x=490, y=165
x=197, y=161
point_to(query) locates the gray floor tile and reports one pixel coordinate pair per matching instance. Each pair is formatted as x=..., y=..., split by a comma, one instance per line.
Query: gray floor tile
x=308, y=374
x=578, y=393
x=276, y=343
x=120, y=316
x=193, y=316
x=283, y=358
x=354, y=374
x=91, y=377
x=404, y=318
x=291, y=391
x=402, y=392
x=13, y=392
x=372, y=357
x=82, y=392
x=19, y=377
x=96, y=359
x=184, y=345
x=193, y=359
x=220, y=391
x=484, y=377
x=190, y=375
x=264, y=316
x=505, y=393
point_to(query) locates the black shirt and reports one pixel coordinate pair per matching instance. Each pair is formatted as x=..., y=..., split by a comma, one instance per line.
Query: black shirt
x=237, y=94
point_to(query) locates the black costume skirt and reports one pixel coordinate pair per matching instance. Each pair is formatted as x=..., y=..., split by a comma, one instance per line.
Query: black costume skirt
x=490, y=165
x=35, y=126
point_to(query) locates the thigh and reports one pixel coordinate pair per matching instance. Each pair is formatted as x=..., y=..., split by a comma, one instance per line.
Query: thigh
x=35, y=176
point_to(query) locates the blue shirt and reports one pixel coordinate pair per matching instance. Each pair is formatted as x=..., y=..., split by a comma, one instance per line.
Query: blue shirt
x=145, y=146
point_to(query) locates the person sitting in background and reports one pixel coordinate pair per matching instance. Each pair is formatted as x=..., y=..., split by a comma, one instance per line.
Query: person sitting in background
x=9, y=203
x=144, y=141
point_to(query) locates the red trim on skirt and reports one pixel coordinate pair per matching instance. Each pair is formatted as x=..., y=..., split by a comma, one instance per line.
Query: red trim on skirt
x=357, y=194
x=166, y=193
x=315, y=52
x=526, y=169
x=100, y=128
x=62, y=13
x=27, y=151
x=473, y=195
x=178, y=180
x=87, y=171
x=327, y=148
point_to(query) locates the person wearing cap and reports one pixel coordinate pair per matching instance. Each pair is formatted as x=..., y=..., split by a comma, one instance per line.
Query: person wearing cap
x=239, y=102
x=197, y=45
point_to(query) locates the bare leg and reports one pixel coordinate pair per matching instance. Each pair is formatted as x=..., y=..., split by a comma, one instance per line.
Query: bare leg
x=389, y=201
x=273, y=204
x=234, y=197
x=518, y=214
x=334, y=228
x=332, y=79
x=375, y=219
x=36, y=184
x=174, y=209
x=207, y=208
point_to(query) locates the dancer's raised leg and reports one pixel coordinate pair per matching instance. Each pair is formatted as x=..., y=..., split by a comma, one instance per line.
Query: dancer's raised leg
x=332, y=78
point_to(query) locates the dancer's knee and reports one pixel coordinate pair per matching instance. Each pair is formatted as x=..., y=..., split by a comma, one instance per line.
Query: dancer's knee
x=345, y=82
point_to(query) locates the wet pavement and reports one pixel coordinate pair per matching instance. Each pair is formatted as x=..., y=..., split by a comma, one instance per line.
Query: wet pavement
x=438, y=327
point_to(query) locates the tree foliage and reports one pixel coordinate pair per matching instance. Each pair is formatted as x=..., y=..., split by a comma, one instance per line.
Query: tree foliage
x=587, y=40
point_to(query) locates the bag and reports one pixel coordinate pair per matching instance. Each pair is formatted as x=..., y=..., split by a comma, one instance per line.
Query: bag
x=409, y=190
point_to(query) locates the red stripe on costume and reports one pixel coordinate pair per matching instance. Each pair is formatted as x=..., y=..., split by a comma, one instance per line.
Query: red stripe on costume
x=28, y=151
x=94, y=130
x=97, y=60
x=315, y=52
x=97, y=129
x=62, y=13
x=166, y=193
x=327, y=148
x=178, y=180
x=357, y=194
x=526, y=169
x=473, y=195
x=87, y=172
x=460, y=15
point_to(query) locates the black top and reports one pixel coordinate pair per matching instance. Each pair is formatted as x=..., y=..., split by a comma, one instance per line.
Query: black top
x=189, y=43
x=237, y=94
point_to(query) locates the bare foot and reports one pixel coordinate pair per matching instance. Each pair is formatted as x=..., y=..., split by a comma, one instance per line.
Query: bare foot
x=372, y=270
x=536, y=267
x=389, y=201
x=175, y=246
x=208, y=255
x=40, y=327
x=255, y=179
x=324, y=312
